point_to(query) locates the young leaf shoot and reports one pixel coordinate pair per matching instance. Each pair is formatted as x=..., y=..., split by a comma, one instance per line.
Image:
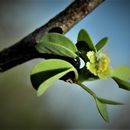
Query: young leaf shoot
x=96, y=66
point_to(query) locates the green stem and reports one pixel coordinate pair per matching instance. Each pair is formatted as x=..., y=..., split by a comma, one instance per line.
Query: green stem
x=87, y=89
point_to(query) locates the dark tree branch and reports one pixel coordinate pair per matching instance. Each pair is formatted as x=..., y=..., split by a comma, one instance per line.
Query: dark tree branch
x=24, y=50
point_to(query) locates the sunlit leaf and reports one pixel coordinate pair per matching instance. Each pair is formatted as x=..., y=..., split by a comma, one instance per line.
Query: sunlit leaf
x=47, y=72
x=101, y=43
x=57, y=44
x=121, y=72
x=102, y=109
x=107, y=101
x=122, y=84
x=84, y=37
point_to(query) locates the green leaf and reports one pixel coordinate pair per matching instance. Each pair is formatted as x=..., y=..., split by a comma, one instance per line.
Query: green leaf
x=102, y=109
x=57, y=44
x=122, y=84
x=83, y=36
x=101, y=43
x=83, y=49
x=107, y=101
x=100, y=106
x=121, y=72
x=121, y=75
x=85, y=75
x=47, y=72
x=100, y=102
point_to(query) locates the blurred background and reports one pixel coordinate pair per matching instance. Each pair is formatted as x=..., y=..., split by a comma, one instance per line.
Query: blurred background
x=63, y=106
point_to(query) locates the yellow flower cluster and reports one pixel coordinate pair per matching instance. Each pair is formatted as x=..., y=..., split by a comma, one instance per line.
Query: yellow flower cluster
x=98, y=64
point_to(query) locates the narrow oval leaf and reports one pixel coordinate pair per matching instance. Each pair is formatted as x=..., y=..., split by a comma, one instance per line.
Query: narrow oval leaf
x=101, y=43
x=47, y=72
x=101, y=106
x=121, y=72
x=42, y=76
x=47, y=83
x=107, y=101
x=83, y=49
x=122, y=84
x=84, y=36
x=57, y=44
x=102, y=110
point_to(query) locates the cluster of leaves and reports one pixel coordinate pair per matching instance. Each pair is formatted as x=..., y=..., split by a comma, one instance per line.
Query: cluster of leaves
x=96, y=66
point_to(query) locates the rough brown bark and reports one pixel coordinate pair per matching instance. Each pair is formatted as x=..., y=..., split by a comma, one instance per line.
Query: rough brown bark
x=24, y=50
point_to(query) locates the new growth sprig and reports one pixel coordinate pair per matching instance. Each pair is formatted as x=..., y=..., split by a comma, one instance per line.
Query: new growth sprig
x=96, y=66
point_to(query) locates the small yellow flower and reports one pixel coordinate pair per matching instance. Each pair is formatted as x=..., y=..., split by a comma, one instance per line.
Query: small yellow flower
x=98, y=64
x=91, y=56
